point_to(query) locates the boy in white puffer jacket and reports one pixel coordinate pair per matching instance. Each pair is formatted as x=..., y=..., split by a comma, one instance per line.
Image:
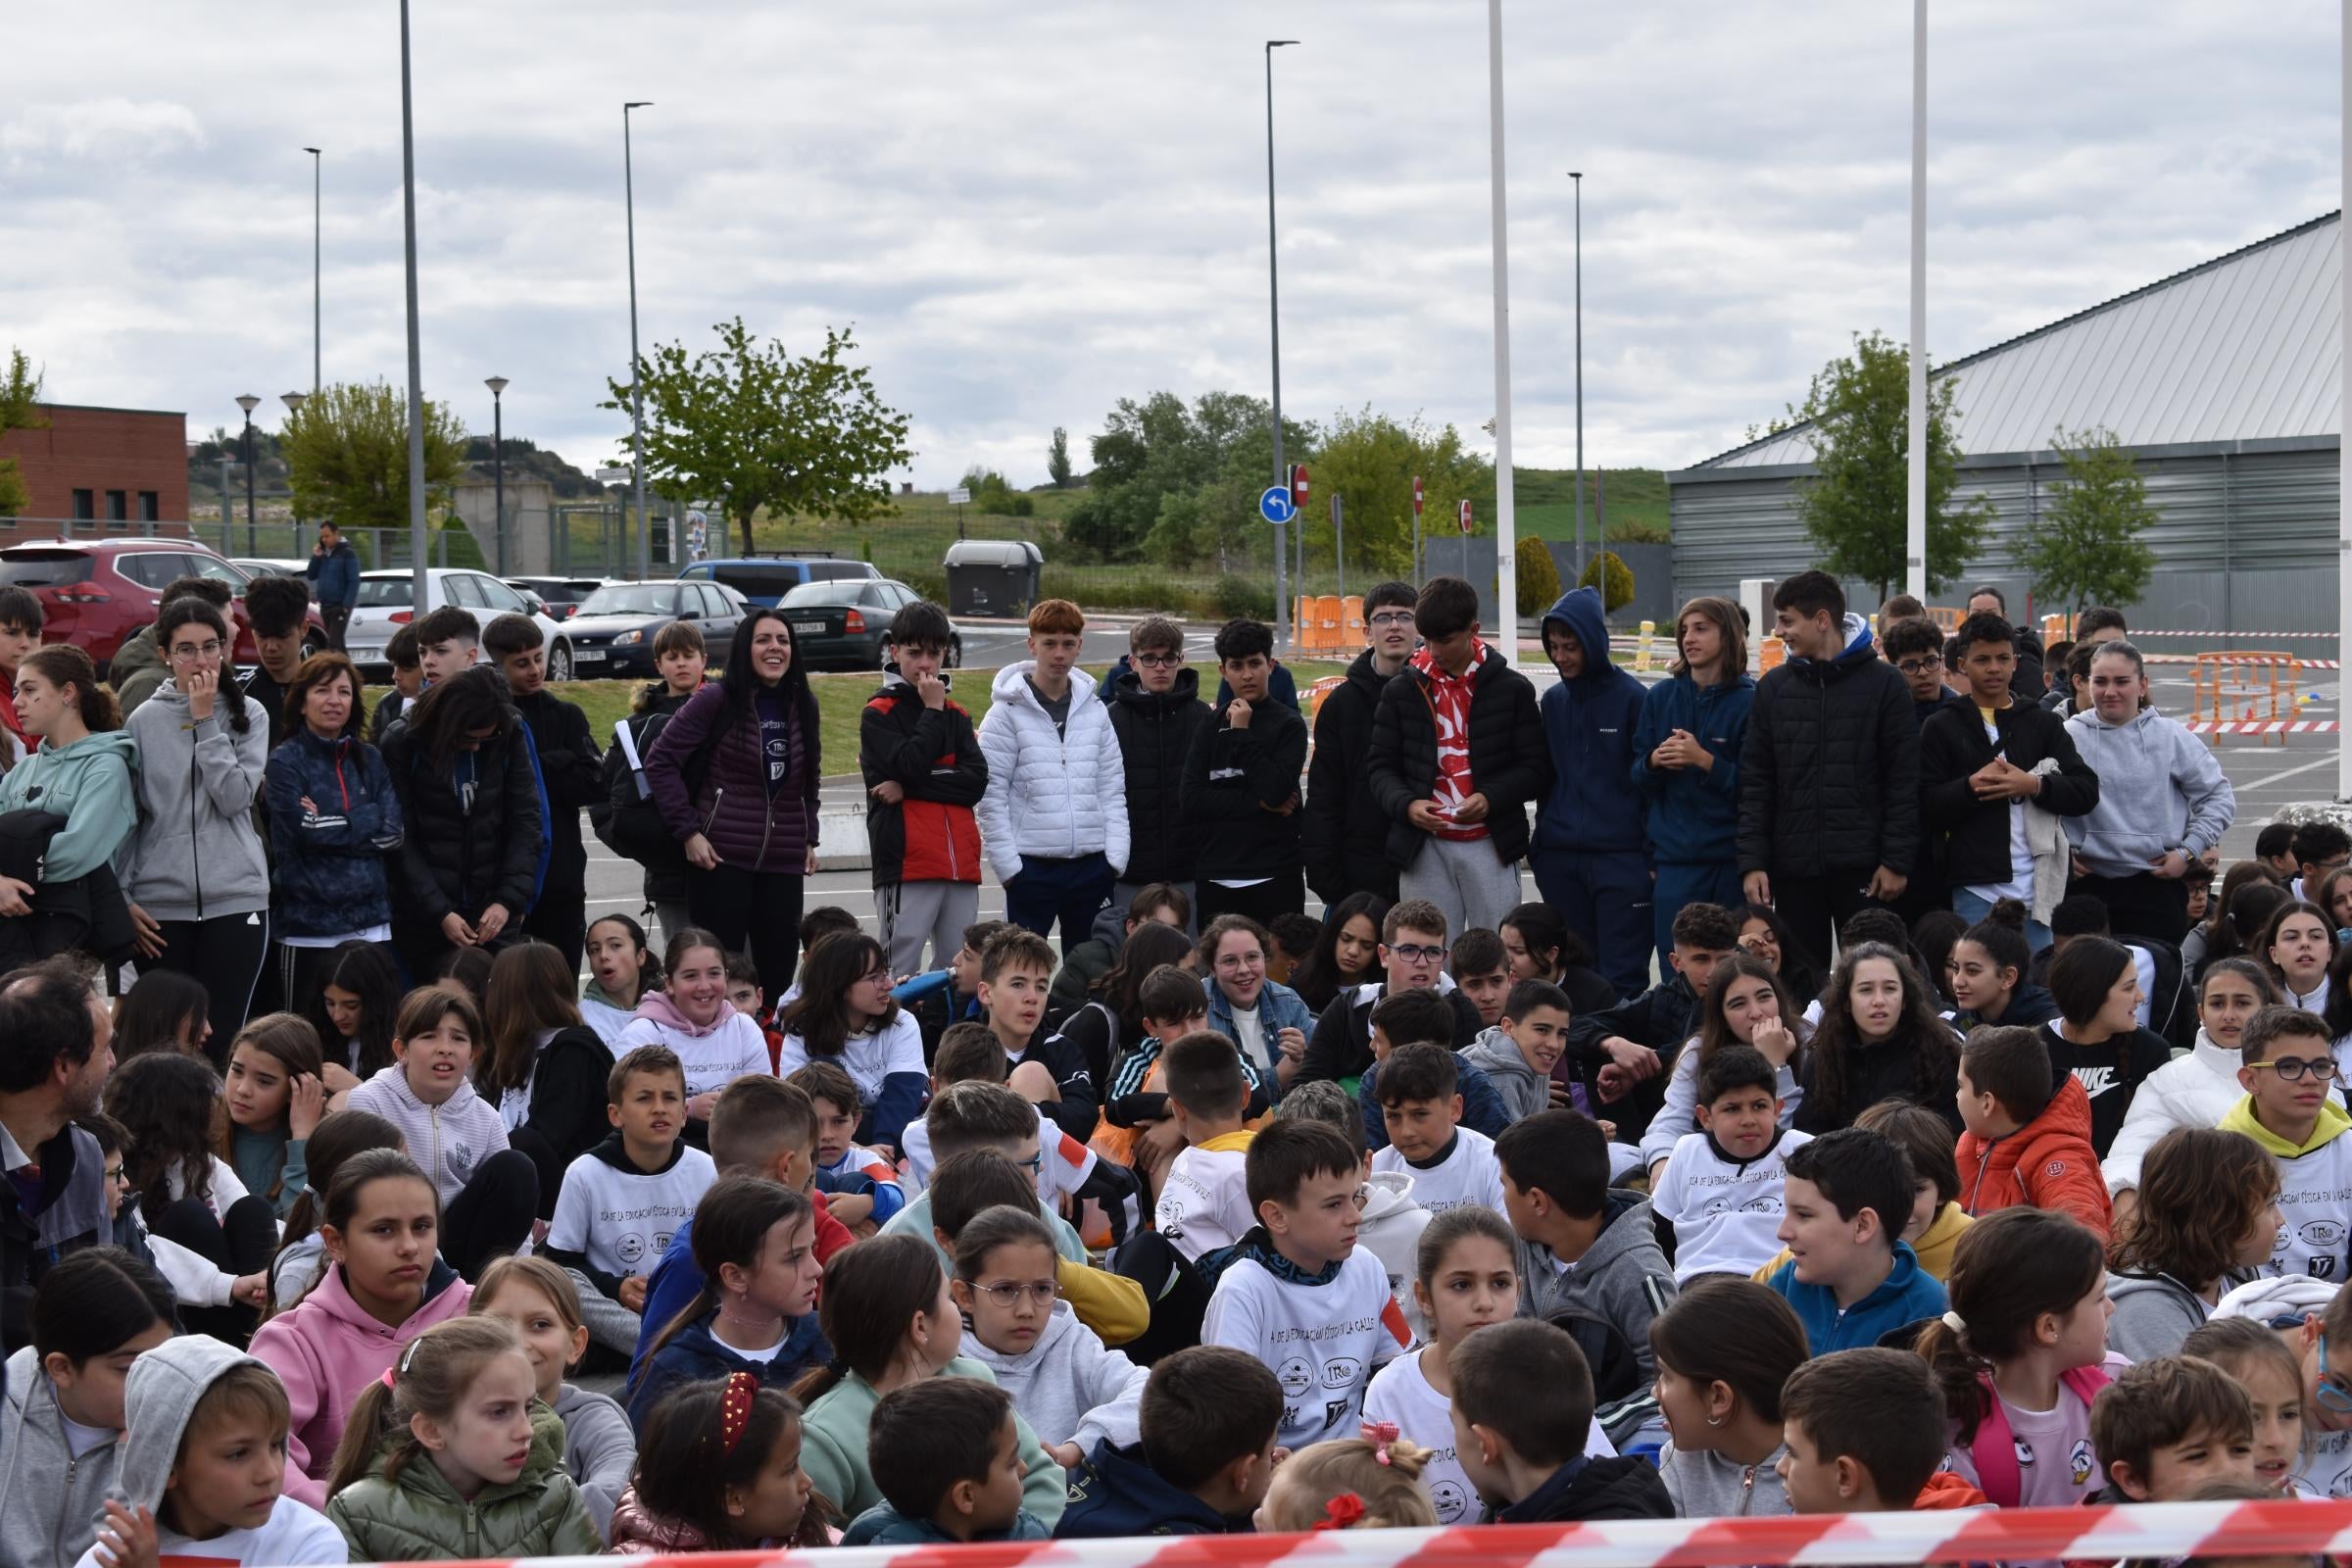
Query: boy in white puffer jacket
x=1054, y=820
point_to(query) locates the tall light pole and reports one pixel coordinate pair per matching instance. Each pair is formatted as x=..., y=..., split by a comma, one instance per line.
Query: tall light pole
x=1506, y=563
x=293, y=402
x=408, y=200
x=1915, y=508
x=1282, y=471
x=629, y=186
x=249, y=403
x=1578, y=178
x=2343, y=510
x=497, y=463
x=317, y=162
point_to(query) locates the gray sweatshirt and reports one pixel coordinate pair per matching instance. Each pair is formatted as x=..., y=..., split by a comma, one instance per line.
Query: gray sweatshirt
x=1708, y=1486
x=1068, y=1385
x=599, y=1450
x=49, y=1501
x=1623, y=1279
x=196, y=783
x=1524, y=1091
x=2153, y=1314
x=2159, y=789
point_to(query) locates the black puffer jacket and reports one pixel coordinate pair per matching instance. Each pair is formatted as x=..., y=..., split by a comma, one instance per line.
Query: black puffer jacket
x=1828, y=776
x=1969, y=837
x=1156, y=735
x=464, y=860
x=1240, y=792
x=1509, y=763
x=1345, y=832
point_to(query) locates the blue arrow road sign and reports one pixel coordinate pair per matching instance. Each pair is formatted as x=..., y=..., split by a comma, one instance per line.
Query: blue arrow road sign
x=1276, y=505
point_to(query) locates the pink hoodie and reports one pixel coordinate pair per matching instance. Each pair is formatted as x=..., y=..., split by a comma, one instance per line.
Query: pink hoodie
x=327, y=1350
x=730, y=1047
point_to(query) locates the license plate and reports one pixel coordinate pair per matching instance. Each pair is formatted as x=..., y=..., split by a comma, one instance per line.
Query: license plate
x=809, y=628
x=588, y=655
x=366, y=656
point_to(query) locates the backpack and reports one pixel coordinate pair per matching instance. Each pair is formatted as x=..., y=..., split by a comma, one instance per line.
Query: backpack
x=631, y=824
x=1994, y=1449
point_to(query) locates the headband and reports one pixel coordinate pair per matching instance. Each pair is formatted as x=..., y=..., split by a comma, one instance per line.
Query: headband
x=1380, y=1434
x=735, y=1408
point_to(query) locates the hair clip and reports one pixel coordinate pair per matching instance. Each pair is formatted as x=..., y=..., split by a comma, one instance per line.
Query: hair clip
x=1380, y=1434
x=1341, y=1512
x=407, y=1357
x=1955, y=1322
x=735, y=1408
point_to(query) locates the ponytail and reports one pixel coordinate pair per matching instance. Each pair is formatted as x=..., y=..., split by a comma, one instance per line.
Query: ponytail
x=2008, y=1270
x=429, y=1378
x=872, y=1294
x=730, y=1226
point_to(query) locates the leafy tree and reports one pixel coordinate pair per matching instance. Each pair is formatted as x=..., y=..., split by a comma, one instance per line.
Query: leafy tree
x=1855, y=506
x=1620, y=590
x=19, y=399
x=801, y=437
x=1058, y=459
x=1537, y=577
x=1219, y=447
x=2086, y=547
x=347, y=454
x=1368, y=461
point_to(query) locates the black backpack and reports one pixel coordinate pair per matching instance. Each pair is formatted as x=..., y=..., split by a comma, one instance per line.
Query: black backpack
x=628, y=820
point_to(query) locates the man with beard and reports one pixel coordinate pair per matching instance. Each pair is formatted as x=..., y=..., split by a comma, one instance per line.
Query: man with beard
x=54, y=1199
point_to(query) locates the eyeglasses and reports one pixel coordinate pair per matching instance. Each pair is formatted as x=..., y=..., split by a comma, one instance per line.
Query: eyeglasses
x=1414, y=952
x=1397, y=617
x=874, y=977
x=1919, y=666
x=210, y=649
x=1008, y=1294
x=1241, y=961
x=2332, y=1393
x=117, y=1173
x=2291, y=1068
x=1159, y=661
x=1034, y=1164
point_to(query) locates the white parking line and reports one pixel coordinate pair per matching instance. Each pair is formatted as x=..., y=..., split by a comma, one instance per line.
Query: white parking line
x=2272, y=778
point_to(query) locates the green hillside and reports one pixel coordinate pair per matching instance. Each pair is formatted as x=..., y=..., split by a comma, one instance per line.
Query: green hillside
x=1544, y=503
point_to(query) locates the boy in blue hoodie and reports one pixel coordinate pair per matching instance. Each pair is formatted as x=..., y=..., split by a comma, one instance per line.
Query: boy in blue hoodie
x=1208, y=1417
x=1850, y=1278
x=1686, y=766
x=1589, y=856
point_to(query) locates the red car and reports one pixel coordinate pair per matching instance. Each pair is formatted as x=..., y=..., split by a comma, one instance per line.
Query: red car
x=97, y=593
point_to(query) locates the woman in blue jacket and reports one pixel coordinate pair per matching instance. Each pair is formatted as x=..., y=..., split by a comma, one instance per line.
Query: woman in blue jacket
x=333, y=818
x=1264, y=1019
x=1687, y=765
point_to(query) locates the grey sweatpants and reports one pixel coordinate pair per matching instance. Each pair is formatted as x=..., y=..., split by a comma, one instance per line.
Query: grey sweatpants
x=913, y=913
x=1464, y=880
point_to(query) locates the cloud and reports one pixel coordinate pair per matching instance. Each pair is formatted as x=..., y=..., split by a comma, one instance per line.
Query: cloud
x=46, y=135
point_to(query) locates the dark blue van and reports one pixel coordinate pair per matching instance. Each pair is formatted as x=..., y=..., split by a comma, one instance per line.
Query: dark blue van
x=764, y=579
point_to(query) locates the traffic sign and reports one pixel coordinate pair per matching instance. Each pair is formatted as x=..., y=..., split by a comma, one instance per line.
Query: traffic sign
x=1416, y=495
x=1275, y=506
x=1465, y=517
x=958, y=497
x=1299, y=485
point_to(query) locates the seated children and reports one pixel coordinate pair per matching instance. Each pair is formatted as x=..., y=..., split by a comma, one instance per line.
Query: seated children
x=2258, y=1359
x=2019, y=1357
x=206, y=1234
x=1850, y=1278
x=276, y=1095
x=1206, y=1456
x=622, y=969
x=1421, y=1109
x=1864, y=1432
x=1016, y=968
x=1367, y=1482
x=973, y=1114
x=1297, y=1282
x=450, y=1455
x=1747, y=1003
x=198, y=1482
x=1393, y=1220
x=692, y=1016
x=719, y=1469
x=1724, y=1349
x=1518, y=1052
x=539, y=1303
x=754, y=1242
x=1926, y=1143
x=965, y=1051
x=1412, y=957
x=2196, y=1089
x=1723, y=1187
x=862, y=1187
x=624, y=1200
x=746, y=997
x=1526, y=1456
x=946, y=1455
x=1482, y=972
x=1624, y=1054
x=845, y=1014
x=2168, y=1426
x=2287, y=1068
x=2206, y=1220
x=1203, y=1201
x=2023, y=1142
x=1138, y=1130
x=1295, y=938
x=1582, y=1245
x=1422, y=1015
x=294, y=1267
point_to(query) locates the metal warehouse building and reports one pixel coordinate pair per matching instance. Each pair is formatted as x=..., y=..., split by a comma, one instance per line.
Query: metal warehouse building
x=2224, y=381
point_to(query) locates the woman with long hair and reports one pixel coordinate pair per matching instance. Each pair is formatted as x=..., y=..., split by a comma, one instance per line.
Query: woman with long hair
x=544, y=1070
x=1687, y=765
x=356, y=1005
x=1347, y=953
x=82, y=772
x=1879, y=1038
x=735, y=772
x=2097, y=1035
x=197, y=877
x=2297, y=947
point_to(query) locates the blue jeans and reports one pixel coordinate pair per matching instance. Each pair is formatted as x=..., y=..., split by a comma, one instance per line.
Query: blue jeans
x=1972, y=908
x=1682, y=883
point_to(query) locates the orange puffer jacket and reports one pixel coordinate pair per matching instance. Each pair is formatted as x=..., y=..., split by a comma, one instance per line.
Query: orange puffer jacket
x=2047, y=1163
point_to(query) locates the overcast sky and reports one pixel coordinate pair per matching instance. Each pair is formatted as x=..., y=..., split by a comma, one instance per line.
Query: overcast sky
x=1030, y=209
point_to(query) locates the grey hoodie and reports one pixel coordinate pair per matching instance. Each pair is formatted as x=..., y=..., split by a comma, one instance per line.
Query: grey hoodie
x=1067, y=1386
x=1524, y=1091
x=2153, y=1314
x=1623, y=1279
x=50, y=1502
x=599, y=1450
x=1708, y=1486
x=197, y=782
x=2159, y=789
x=158, y=1399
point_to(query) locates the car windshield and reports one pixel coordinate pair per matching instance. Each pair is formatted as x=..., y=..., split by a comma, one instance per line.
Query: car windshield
x=387, y=593
x=847, y=591
x=635, y=599
x=44, y=568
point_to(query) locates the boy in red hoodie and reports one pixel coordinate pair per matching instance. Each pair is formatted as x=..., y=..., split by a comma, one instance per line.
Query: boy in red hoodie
x=2024, y=1142
x=1864, y=1432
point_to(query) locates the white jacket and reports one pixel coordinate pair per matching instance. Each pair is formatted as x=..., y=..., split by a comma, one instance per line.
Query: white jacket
x=1068, y=1385
x=1058, y=795
x=2191, y=1091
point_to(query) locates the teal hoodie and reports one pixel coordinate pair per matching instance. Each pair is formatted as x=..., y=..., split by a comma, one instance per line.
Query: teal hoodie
x=1908, y=1294
x=89, y=784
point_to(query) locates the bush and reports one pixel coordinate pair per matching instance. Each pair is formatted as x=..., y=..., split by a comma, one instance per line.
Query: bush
x=1237, y=596
x=1538, y=578
x=1023, y=507
x=1620, y=590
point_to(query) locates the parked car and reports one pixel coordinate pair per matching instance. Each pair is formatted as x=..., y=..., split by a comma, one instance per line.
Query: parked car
x=269, y=566
x=388, y=603
x=613, y=632
x=841, y=624
x=561, y=595
x=765, y=579
x=98, y=593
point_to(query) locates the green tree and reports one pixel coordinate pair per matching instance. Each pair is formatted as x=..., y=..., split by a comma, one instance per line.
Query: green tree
x=1855, y=506
x=1537, y=577
x=1369, y=460
x=805, y=436
x=1218, y=447
x=20, y=400
x=347, y=454
x=1620, y=577
x=1058, y=459
x=2086, y=548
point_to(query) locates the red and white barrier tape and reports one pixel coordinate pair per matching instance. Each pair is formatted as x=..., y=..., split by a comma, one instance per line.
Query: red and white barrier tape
x=2137, y=632
x=1981, y=1536
x=2264, y=726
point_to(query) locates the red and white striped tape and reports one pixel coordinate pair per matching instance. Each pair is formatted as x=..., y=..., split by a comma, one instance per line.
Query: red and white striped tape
x=2264, y=726
x=2138, y=632
x=1981, y=1536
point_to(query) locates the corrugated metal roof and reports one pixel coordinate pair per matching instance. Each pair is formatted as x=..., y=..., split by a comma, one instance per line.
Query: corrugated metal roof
x=2243, y=347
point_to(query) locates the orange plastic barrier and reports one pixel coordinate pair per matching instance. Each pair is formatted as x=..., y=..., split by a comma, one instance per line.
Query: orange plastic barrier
x=1771, y=654
x=1352, y=622
x=2242, y=688
x=1948, y=620
x=1304, y=621
x=1321, y=689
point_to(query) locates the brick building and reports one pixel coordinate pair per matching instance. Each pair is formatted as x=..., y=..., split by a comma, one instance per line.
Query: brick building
x=98, y=464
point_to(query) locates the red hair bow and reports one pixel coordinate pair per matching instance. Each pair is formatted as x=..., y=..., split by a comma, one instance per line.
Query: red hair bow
x=1341, y=1512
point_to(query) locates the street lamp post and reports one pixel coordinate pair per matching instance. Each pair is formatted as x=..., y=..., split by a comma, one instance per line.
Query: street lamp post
x=419, y=582
x=628, y=185
x=293, y=402
x=249, y=403
x=316, y=161
x=498, y=461
x=1578, y=178
x=1282, y=472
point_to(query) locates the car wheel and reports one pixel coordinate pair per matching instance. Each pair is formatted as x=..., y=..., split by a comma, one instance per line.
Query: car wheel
x=559, y=662
x=312, y=643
